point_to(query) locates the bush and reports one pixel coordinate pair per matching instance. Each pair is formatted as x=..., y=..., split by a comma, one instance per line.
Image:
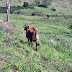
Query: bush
x=18, y=6
x=18, y=12
x=53, y=15
x=53, y=9
x=25, y=4
x=70, y=26
x=48, y=15
x=41, y=5
x=45, y=3
x=37, y=2
x=31, y=6
x=37, y=14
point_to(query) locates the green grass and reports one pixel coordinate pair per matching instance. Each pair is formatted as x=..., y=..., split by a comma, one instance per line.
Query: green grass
x=55, y=38
x=62, y=7
x=28, y=12
x=40, y=10
x=15, y=52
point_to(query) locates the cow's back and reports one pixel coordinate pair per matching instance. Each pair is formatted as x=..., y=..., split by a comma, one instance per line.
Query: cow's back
x=34, y=28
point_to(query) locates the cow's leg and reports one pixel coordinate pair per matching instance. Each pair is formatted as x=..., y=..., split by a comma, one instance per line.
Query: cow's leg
x=28, y=40
x=31, y=42
x=36, y=46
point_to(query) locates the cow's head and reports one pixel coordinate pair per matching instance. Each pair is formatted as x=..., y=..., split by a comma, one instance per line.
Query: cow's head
x=26, y=26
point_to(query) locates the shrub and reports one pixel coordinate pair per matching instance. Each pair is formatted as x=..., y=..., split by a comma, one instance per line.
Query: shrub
x=56, y=15
x=53, y=15
x=37, y=14
x=31, y=6
x=25, y=4
x=45, y=3
x=19, y=0
x=53, y=9
x=48, y=15
x=70, y=26
x=18, y=6
x=37, y=2
x=41, y=5
x=18, y=12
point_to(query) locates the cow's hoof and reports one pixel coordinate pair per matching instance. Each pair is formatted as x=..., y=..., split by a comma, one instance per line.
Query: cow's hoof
x=36, y=49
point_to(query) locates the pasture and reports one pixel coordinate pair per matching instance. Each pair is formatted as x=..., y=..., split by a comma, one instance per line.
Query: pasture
x=55, y=38
x=55, y=50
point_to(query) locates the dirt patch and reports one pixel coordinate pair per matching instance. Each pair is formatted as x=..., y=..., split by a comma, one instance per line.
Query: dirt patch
x=9, y=32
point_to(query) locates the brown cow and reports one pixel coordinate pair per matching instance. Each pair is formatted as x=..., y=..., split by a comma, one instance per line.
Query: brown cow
x=31, y=34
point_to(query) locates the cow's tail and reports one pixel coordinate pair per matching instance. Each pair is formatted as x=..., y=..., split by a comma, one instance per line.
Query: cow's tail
x=36, y=36
x=35, y=33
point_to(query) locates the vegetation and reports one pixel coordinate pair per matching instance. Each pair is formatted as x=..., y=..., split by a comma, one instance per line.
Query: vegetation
x=37, y=2
x=32, y=6
x=45, y=3
x=54, y=52
x=25, y=4
x=29, y=12
x=55, y=38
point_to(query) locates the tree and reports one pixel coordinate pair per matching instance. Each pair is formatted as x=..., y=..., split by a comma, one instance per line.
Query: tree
x=31, y=6
x=37, y=2
x=8, y=9
x=25, y=4
x=45, y=3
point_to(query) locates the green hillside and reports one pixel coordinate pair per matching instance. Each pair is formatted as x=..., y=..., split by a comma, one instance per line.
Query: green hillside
x=64, y=6
x=55, y=38
x=55, y=50
x=61, y=6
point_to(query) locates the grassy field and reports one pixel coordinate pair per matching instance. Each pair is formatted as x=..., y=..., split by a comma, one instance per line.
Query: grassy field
x=62, y=7
x=55, y=38
x=54, y=53
x=28, y=12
